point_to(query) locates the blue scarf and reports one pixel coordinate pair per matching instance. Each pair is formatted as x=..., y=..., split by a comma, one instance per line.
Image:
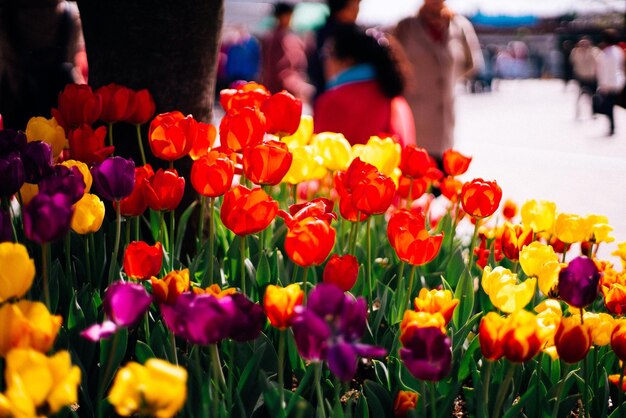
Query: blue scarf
x=360, y=72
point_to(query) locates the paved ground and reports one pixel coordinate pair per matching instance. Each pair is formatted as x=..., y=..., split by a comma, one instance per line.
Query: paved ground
x=525, y=135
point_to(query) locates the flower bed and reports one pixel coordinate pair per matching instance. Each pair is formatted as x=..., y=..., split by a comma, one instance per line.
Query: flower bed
x=324, y=279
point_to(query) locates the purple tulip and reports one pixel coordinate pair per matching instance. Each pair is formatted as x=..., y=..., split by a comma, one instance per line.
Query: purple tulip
x=11, y=173
x=47, y=218
x=329, y=328
x=124, y=304
x=37, y=159
x=64, y=180
x=114, y=178
x=200, y=319
x=248, y=320
x=11, y=140
x=6, y=230
x=427, y=353
x=578, y=282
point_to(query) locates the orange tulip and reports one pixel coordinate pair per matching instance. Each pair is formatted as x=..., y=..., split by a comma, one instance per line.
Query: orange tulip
x=405, y=400
x=280, y=303
x=142, y=260
x=309, y=241
x=451, y=188
x=455, y=163
x=212, y=175
x=572, y=339
x=618, y=339
x=168, y=289
x=522, y=340
x=490, y=333
x=509, y=210
x=204, y=141
x=410, y=239
x=246, y=211
x=250, y=94
x=267, y=162
x=171, y=135
x=242, y=128
x=480, y=198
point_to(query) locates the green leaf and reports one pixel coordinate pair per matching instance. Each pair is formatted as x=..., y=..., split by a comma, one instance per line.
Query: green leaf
x=454, y=268
x=76, y=317
x=467, y=359
x=378, y=398
x=465, y=294
x=362, y=408
x=112, y=353
x=143, y=352
x=263, y=272
x=181, y=228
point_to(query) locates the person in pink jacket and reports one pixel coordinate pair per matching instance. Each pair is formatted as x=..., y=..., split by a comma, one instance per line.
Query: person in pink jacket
x=363, y=96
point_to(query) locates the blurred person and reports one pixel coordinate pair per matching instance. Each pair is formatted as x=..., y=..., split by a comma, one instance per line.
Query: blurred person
x=41, y=50
x=342, y=12
x=567, y=70
x=365, y=83
x=243, y=56
x=283, y=57
x=583, y=59
x=441, y=48
x=611, y=77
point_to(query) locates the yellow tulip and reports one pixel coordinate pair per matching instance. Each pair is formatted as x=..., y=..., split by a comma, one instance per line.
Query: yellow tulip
x=549, y=314
x=27, y=192
x=17, y=271
x=384, y=154
x=303, y=135
x=84, y=170
x=504, y=292
x=540, y=261
x=88, y=214
x=334, y=149
x=422, y=320
x=598, y=229
x=621, y=252
x=27, y=324
x=36, y=382
x=157, y=389
x=49, y=131
x=538, y=215
x=570, y=228
x=305, y=166
x=602, y=325
x=433, y=301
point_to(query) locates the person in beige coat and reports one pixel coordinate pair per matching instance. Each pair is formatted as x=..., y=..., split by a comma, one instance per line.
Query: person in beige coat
x=441, y=48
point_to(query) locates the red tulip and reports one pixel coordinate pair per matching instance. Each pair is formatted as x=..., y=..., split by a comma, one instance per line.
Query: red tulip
x=374, y=195
x=212, y=175
x=451, y=188
x=78, y=105
x=247, y=95
x=242, y=128
x=87, y=145
x=267, y=162
x=143, y=107
x=172, y=135
x=410, y=239
x=142, y=261
x=309, y=241
x=164, y=190
x=246, y=211
x=136, y=204
x=455, y=163
x=415, y=162
x=282, y=112
x=204, y=141
x=417, y=187
x=319, y=208
x=117, y=102
x=342, y=271
x=480, y=198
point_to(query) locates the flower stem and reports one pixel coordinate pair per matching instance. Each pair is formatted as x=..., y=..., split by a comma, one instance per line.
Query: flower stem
x=294, y=191
x=140, y=143
x=200, y=239
x=485, y=386
x=110, y=132
x=433, y=400
x=211, y=240
x=231, y=375
x=172, y=238
x=87, y=258
x=242, y=250
x=45, y=249
x=218, y=373
x=118, y=232
x=620, y=392
x=472, y=244
x=399, y=303
x=504, y=388
x=281, y=369
x=68, y=256
x=370, y=295
x=107, y=372
x=318, y=390
x=559, y=392
x=411, y=280
x=305, y=276
x=173, y=344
